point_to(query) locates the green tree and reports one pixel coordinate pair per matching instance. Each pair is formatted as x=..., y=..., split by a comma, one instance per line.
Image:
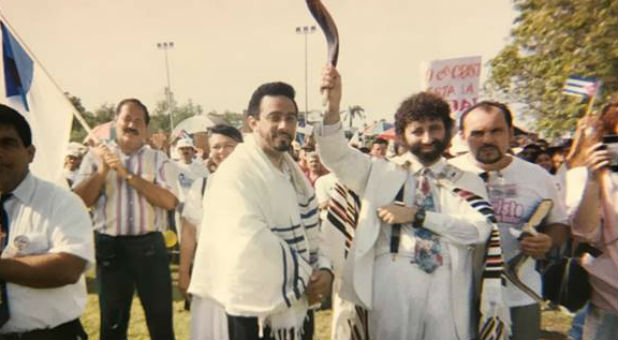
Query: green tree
x=103, y=114
x=160, y=118
x=551, y=40
x=233, y=118
x=353, y=112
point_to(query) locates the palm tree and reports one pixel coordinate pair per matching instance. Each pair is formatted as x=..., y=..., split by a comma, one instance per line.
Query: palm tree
x=353, y=112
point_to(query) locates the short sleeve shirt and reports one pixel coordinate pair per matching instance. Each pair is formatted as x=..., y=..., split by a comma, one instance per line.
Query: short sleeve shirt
x=122, y=210
x=515, y=192
x=44, y=219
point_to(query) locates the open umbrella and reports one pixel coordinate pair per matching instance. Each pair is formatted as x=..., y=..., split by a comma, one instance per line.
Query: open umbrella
x=191, y=125
x=388, y=134
x=101, y=132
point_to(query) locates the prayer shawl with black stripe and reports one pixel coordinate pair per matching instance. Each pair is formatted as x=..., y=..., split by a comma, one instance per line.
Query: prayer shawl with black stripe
x=338, y=229
x=259, y=240
x=494, y=323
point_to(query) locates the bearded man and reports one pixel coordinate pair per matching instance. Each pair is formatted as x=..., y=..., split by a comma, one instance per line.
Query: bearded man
x=258, y=251
x=411, y=262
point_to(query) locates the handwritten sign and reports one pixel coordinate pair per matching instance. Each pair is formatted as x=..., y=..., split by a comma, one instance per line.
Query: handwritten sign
x=456, y=80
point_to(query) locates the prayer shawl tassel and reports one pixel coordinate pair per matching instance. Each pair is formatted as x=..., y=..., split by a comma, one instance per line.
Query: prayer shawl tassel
x=495, y=315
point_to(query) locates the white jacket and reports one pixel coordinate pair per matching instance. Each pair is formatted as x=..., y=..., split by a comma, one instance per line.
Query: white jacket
x=377, y=182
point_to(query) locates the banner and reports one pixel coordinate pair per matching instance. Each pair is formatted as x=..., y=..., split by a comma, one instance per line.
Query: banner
x=456, y=80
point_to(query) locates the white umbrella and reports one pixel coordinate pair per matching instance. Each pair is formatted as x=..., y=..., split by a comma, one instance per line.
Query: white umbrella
x=191, y=125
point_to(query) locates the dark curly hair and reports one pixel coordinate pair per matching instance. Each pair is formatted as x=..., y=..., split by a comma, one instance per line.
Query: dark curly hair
x=421, y=106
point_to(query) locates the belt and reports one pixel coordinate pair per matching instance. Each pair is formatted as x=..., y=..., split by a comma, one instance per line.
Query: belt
x=68, y=330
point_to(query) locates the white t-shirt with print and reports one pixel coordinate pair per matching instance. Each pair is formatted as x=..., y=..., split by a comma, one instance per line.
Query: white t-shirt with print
x=515, y=192
x=187, y=173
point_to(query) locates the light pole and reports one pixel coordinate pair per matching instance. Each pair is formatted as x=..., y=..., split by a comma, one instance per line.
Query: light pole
x=305, y=30
x=168, y=89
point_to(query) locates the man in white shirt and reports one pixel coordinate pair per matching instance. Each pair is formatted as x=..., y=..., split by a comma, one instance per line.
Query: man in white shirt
x=189, y=168
x=410, y=263
x=515, y=188
x=46, y=244
x=72, y=160
x=222, y=140
x=212, y=324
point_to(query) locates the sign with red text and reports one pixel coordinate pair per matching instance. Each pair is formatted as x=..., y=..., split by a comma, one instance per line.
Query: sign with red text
x=456, y=80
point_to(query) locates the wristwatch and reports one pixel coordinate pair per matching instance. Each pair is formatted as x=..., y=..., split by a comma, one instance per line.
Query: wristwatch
x=419, y=218
x=129, y=177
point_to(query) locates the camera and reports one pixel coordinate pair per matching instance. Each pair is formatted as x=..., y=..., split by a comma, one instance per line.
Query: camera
x=611, y=141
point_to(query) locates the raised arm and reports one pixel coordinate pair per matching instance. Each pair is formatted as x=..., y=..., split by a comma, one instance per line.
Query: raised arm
x=586, y=212
x=350, y=166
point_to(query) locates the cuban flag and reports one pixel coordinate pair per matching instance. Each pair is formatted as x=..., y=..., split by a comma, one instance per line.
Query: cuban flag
x=27, y=88
x=582, y=87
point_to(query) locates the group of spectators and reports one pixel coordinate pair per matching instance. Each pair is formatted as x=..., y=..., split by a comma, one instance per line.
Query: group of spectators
x=413, y=245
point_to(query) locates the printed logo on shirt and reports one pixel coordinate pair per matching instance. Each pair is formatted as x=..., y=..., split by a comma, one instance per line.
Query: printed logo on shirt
x=184, y=180
x=508, y=211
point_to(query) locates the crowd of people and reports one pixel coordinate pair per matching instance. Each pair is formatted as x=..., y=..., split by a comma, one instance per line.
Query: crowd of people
x=409, y=240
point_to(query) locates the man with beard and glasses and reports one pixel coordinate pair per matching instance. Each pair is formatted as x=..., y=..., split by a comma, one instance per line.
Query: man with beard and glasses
x=515, y=189
x=130, y=187
x=258, y=254
x=410, y=263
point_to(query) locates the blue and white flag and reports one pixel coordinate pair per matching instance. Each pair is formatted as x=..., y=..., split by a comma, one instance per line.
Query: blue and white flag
x=581, y=86
x=27, y=88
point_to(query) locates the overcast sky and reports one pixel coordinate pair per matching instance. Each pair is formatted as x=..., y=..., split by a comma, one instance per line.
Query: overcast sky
x=105, y=50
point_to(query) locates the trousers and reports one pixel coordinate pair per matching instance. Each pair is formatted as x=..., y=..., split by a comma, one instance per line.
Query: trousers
x=126, y=264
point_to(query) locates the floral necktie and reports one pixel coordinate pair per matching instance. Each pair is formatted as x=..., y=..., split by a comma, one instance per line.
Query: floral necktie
x=427, y=249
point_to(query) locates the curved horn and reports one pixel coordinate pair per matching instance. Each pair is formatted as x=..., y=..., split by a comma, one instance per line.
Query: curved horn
x=329, y=28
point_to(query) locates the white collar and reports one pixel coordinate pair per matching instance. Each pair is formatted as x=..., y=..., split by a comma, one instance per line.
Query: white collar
x=25, y=190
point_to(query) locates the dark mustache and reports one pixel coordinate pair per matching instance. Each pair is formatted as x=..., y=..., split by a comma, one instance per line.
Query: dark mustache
x=488, y=146
x=278, y=134
x=130, y=130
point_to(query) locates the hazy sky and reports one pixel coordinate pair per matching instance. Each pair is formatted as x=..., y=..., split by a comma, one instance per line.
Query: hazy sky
x=105, y=50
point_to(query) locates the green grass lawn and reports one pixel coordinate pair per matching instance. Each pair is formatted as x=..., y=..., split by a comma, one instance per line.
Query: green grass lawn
x=182, y=318
x=555, y=324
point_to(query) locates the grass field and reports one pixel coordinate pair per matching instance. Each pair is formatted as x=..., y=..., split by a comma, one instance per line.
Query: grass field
x=555, y=324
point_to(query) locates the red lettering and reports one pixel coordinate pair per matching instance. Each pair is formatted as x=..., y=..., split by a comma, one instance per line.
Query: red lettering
x=442, y=91
x=466, y=71
x=467, y=89
x=465, y=104
x=443, y=73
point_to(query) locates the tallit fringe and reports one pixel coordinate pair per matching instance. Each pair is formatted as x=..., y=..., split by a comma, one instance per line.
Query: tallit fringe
x=293, y=333
x=495, y=323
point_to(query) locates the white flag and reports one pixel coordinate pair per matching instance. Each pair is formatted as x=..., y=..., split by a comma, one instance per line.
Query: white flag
x=28, y=89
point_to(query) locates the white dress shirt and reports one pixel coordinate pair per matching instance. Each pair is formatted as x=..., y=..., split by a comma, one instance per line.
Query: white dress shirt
x=44, y=219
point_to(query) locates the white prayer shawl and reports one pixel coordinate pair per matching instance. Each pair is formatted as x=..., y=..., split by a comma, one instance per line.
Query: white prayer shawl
x=377, y=182
x=259, y=240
